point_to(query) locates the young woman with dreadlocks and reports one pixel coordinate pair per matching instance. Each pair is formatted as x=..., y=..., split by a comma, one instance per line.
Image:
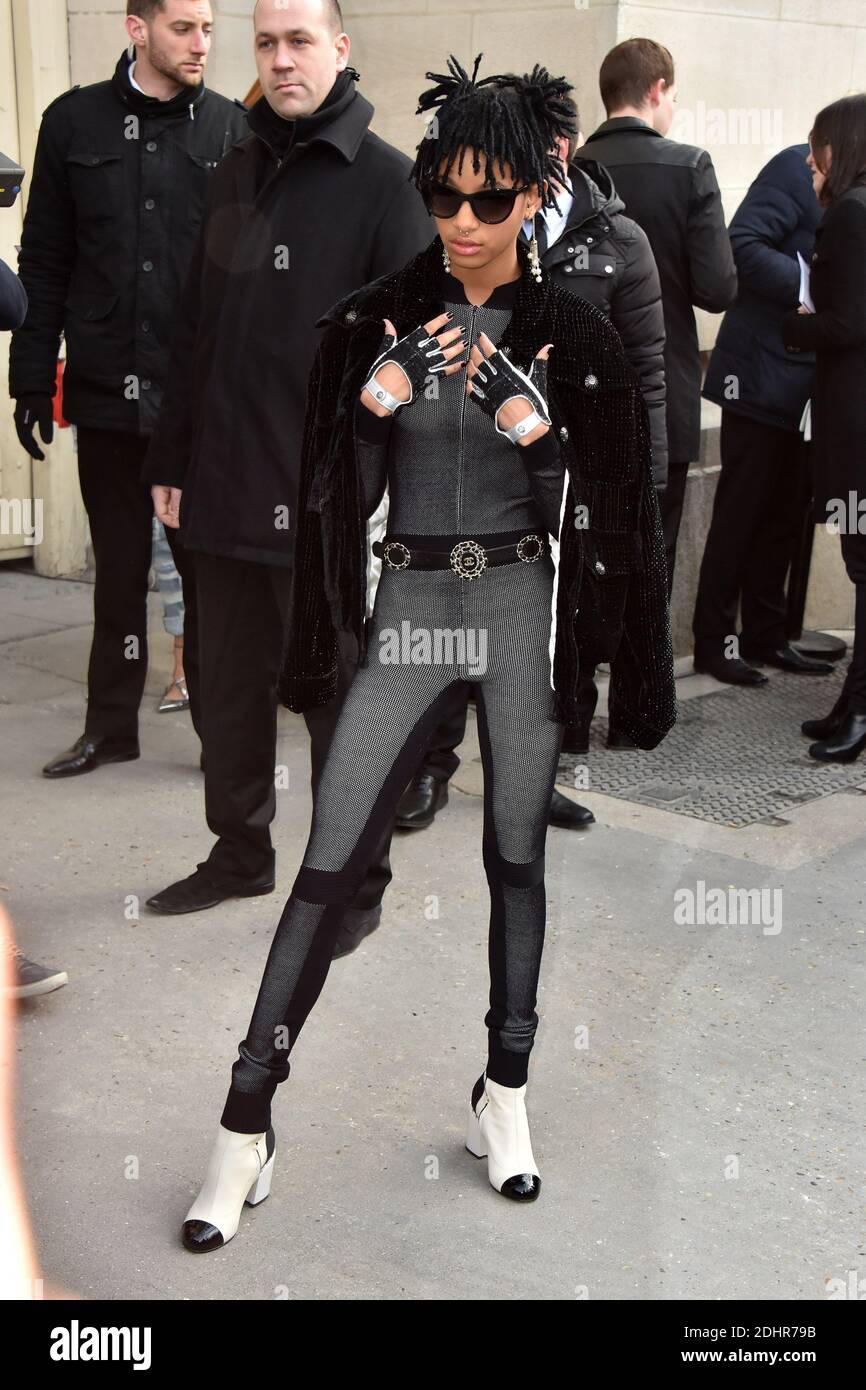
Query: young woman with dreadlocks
x=501, y=420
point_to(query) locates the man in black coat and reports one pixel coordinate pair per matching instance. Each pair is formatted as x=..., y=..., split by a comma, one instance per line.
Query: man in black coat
x=764, y=488
x=671, y=191
x=115, y=203
x=593, y=250
x=311, y=205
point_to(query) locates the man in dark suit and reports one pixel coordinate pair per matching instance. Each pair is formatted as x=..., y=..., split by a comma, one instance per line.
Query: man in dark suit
x=671, y=191
x=308, y=208
x=118, y=188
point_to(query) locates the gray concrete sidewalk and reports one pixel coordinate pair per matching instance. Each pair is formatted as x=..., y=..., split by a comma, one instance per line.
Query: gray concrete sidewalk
x=696, y=1091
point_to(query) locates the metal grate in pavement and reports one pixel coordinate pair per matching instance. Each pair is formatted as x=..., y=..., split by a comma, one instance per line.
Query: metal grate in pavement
x=734, y=757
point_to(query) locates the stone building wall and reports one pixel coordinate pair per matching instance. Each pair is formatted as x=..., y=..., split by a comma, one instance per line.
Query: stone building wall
x=750, y=76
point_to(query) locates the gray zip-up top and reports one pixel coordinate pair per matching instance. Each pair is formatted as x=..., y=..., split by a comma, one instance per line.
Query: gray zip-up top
x=447, y=470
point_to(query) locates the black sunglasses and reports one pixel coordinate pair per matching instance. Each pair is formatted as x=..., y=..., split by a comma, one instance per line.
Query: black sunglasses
x=489, y=205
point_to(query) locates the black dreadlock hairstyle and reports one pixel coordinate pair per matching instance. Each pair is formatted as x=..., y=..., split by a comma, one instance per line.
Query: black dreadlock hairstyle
x=505, y=117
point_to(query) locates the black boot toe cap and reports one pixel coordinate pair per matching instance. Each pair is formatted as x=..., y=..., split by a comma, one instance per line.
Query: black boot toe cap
x=201, y=1236
x=523, y=1187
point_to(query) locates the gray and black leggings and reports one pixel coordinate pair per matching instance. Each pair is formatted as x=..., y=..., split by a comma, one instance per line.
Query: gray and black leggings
x=390, y=712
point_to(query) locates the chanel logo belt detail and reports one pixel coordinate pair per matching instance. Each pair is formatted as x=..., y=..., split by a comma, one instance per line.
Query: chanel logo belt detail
x=468, y=559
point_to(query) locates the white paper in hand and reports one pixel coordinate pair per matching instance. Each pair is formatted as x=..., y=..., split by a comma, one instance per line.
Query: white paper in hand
x=805, y=293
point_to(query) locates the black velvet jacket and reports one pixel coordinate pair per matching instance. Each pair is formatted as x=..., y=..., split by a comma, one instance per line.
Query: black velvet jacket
x=611, y=602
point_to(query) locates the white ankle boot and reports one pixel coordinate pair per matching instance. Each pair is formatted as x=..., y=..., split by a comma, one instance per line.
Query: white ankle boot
x=499, y=1130
x=239, y=1170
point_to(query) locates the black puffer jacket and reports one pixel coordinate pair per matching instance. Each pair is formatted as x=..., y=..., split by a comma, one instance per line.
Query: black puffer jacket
x=606, y=258
x=115, y=204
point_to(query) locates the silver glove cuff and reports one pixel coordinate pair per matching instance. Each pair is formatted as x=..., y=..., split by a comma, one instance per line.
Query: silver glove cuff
x=381, y=394
x=523, y=427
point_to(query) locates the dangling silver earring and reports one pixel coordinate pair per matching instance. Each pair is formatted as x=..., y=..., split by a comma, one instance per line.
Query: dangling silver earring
x=446, y=259
x=534, y=261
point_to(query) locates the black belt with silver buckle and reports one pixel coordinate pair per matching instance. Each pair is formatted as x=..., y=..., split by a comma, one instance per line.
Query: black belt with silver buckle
x=467, y=558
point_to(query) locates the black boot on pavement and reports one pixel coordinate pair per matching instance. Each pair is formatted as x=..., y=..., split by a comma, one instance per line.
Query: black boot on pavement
x=846, y=745
x=353, y=929
x=576, y=738
x=831, y=723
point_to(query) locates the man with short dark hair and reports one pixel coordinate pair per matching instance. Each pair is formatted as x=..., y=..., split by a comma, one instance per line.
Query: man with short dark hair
x=116, y=199
x=308, y=208
x=671, y=191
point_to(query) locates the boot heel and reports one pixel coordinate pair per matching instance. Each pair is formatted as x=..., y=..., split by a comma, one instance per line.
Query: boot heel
x=474, y=1139
x=262, y=1185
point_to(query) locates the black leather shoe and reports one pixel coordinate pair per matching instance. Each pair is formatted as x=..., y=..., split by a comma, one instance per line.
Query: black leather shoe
x=353, y=931
x=831, y=723
x=787, y=658
x=204, y=889
x=89, y=752
x=576, y=738
x=568, y=814
x=417, y=807
x=731, y=670
x=847, y=744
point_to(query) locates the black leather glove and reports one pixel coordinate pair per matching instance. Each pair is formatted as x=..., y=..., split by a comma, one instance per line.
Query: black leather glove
x=418, y=355
x=31, y=411
x=496, y=381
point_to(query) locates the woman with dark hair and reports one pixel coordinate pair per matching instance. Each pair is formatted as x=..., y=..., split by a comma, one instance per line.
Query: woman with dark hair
x=523, y=534
x=836, y=333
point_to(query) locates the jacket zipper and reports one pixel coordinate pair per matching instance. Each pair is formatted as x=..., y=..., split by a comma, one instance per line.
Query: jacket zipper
x=460, y=458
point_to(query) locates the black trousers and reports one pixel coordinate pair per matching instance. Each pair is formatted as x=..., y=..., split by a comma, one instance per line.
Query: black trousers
x=240, y=609
x=854, y=555
x=120, y=511
x=671, y=507
x=762, y=494
x=440, y=758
